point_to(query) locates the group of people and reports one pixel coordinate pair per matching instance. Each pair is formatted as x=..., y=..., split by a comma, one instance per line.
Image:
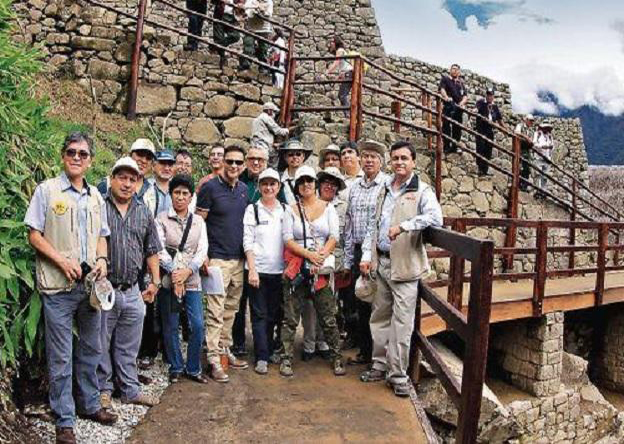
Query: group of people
x=292, y=245
x=455, y=95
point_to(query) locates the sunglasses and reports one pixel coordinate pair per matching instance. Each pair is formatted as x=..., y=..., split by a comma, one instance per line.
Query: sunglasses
x=307, y=179
x=71, y=153
x=231, y=162
x=295, y=154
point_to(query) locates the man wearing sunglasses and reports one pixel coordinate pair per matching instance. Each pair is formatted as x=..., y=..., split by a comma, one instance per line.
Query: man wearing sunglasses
x=222, y=201
x=295, y=153
x=68, y=230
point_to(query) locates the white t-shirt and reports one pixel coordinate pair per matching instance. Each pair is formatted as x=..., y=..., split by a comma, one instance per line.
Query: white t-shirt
x=265, y=239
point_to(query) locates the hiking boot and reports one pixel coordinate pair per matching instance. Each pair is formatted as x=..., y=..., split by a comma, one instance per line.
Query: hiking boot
x=65, y=435
x=372, y=375
x=339, y=368
x=286, y=368
x=401, y=389
x=199, y=378
x=235, y=363
x=324, y=354
x=101, y=416
x=262, y=367
x=106, y=401
x=143, y=399
x=218, y=374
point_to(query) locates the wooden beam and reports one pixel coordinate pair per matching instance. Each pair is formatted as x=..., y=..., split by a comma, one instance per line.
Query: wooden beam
x=603, y=239
x=539, y=284
x=512, y=209
x=136, y=60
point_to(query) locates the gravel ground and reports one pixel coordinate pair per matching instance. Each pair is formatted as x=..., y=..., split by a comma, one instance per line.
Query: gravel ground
x=129, y=415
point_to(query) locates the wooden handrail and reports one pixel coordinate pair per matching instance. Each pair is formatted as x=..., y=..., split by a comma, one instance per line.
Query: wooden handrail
x=136, y=57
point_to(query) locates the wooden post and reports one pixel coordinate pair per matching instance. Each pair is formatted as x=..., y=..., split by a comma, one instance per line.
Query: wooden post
x=360, y=109
x=616, y=253
x=572, y=236
x=355, y=86
x=603, y=240
x=413, y=369
x=427, y=103
x=439, y=148
x=291, y=91
x=286, y=88
x=136, y=60
x=475, y=357
x=396, y=110
x=456, y=272
x=539, y=284
x=512, y=209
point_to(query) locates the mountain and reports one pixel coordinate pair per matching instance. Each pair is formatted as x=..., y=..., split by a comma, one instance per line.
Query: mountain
x=602, y=133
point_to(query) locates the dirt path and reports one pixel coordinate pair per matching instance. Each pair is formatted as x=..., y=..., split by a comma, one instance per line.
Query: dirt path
x=314, y=406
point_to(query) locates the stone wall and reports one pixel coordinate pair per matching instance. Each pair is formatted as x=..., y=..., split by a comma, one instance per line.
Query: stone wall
x=530, y=352
x=609, y=362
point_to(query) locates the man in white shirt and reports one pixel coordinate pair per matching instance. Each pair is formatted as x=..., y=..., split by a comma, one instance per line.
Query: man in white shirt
x=264, y=128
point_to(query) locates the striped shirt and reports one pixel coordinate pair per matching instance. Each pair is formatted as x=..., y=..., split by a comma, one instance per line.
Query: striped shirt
x=133, y=238
x=361, y=209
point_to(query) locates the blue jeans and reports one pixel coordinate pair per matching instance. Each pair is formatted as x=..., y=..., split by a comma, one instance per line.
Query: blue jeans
x=121, y=339
x=59, y=311
x=171, y=337
x=265, y=303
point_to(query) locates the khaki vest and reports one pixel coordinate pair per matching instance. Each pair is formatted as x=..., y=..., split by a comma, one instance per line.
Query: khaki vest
x=61, y=230
x=173, y=231
x=408, y=256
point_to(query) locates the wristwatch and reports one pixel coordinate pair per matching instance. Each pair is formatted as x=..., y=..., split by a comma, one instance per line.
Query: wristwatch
x=158, y=285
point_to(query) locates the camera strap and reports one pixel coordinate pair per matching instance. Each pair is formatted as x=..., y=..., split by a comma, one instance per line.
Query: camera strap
x=185, y=235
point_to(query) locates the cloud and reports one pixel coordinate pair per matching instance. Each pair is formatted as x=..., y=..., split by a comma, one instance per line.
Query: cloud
x=618, y=26
x=485, y=11
x=602, y=88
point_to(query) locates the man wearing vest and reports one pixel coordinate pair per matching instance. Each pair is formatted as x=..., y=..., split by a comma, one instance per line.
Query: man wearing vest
x=68, y=229
x=393, y=249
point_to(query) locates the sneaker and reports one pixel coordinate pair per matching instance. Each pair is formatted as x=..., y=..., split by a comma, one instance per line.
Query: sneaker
x=65, y=435
x=401, y=389
x=262, y=367
x=106, y=402
x=235, y=363
x=143, y=399
x=218, y=374
x=286, y=368
x=339, y=369
x=372, y=375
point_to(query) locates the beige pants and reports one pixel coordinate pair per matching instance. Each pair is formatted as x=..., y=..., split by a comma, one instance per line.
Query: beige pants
x=221, y=309
x=392, y=323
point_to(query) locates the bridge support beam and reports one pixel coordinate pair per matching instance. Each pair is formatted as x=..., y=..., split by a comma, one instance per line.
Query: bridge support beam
x=530, y=352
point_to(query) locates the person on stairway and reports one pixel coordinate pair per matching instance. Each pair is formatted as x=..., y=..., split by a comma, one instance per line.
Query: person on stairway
x=526, y=131
x=543, y=141
x=343, y=70
x=455, y=96
x=394, y=252
x=256, y=12
x=488, y=113
x=195, y=22
x=277, y=58
x=264, y=129
x=222, y=34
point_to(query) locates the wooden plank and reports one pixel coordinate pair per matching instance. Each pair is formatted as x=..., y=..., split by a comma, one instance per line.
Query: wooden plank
x=430, y=435
x=448, y=381
x=603, y=239
x=284, y=108
x=456, y=272
x=136, y=60
x=413, y=369
x=456, y=243
x=572, y=235
x=453, y=317
x=439, y=149
x=540, y=268
x=357, y=84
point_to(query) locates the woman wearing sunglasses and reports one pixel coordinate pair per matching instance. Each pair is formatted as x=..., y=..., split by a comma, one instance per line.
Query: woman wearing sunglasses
x=293, y=155
x=310, y=231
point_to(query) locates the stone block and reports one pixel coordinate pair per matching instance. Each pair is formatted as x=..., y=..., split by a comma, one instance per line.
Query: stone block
x=93, y=43
x=315, y=140
x=220, y=106
x=238, y=127
x=202, y=131
x=249, y=109
x=104, y=70
x=246, y=91
x=192, y=94
x=155, y=99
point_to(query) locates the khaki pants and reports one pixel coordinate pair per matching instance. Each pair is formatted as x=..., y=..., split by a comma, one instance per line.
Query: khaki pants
x=392, y=323
x=221, y=309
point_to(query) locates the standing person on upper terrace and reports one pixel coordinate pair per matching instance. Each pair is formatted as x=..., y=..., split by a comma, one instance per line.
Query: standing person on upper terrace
x=67, y=229
x=264, y=128
x=454, y=94
x=195, y=22
x=343, y=69
x=526, y=130
x=543, y=141
x=394, y=250
x=222, y=34
x=488, y=113
x=257, y=11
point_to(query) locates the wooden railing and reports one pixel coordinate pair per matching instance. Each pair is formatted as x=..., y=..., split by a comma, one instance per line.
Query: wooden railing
x=472, y=328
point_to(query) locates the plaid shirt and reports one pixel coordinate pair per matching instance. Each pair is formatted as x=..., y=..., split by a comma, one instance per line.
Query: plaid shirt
x=361, y=209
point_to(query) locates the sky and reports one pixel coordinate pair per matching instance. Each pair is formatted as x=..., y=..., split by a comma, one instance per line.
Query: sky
x=572, y=48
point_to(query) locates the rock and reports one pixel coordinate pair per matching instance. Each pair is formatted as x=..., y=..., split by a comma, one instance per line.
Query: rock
x=249, y=109
x=466, y=185
x=192, y=94
x=123, y=53
x=316, y=141
x=246, y=91
x=103, y=70
x=220, y=106
x=574, y=369
x=238, y=127
x=155, y=99
x=240, y=142
x=94, y=43
x=202, y=131
x=480, y=202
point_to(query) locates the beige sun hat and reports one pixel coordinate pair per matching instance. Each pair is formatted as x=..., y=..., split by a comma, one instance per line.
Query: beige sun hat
x=332, y=173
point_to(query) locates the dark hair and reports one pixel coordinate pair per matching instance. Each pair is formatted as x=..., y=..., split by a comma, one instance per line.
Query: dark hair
x=181, y=180
x=183, y=152
x=278, y=33
x=300, y=182
x=404, y=144
x=349, y=144
x=338, y=42
x=77, y=137
x=455, y=65
x=234, y=148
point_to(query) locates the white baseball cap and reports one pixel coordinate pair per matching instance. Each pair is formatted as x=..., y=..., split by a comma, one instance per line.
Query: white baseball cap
x=126, y=162
x=269, y=173
x=270, y=106
x=305, y=171
x=143, y=145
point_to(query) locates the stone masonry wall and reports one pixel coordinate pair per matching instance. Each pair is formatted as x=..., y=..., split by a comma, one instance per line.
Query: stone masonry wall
x=530, y=352
x=609, y=362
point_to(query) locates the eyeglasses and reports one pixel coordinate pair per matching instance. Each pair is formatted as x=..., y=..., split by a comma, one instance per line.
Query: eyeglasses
x=295, y=154
x=231, y=162
x=330, y=185
x=256, y=159
x=72, y=152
